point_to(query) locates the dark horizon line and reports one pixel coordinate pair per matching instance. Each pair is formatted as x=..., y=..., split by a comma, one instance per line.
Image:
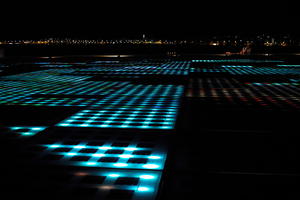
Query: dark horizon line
x=150, y=36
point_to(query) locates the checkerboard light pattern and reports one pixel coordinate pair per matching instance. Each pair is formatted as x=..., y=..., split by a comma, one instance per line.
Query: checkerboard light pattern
x=109, y=157
x=250, y=70
x=49, y=101
x=237, y=61
x=283, y=95
x=123, y=117
x=103, y=154
x=247, y=70
x=110, y=184
x=113, y=104
x=169, y=68
x=114, y=184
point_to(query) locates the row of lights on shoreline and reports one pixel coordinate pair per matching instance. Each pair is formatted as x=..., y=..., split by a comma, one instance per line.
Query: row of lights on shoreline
x=51, y=41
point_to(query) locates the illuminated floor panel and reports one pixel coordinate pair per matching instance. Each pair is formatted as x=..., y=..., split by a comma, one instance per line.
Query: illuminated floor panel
x=230, y=91
x=110, y=184
x=49, y=101
x=27, y=130
x=241, y=70
x=237, y=61
x=114, y=184
x=124, y=117
x=90, y=88
x=117, y=161
x=104, y=151
x=19, y=132
x=56, y=66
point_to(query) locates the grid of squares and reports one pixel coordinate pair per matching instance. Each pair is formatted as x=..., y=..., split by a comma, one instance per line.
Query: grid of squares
x=116, y=97
x=123, y=117
x=121, y=151
x=231, y=91
x=249, y=70
x=50, y=63
x=152, y=72
x=112, y=104
x=129, y=106
x=230, y=87
x=292, y=66
x=237, y=61
x=89, y=88
x=113, y=100
x=246, y=70
x=120, y=88
x=50, y=101
x=54, y=76
x=114, y=184
x=105, y=156
x=171, y=68
x=56, y=66
x=110, y=184
x=140, y=101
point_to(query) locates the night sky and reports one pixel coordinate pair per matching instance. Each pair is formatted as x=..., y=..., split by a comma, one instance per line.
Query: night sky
x=181, y=19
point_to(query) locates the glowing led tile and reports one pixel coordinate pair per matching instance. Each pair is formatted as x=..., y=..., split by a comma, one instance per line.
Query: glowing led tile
x=114, y=175
x=27, y=130
x=98, y=155
x=151, y=166
x=125, y=156
x=154, y=157
x=37, y=128
x=27, y=133
x=91, y=163
x=64, y=124
x=79, y=147
x=120, y=164
x=55, y=146
x=147, y=177
x=238, y=61
x=143, y=189
x=120, y=118
x=129, y=157
x=130, y=149
x=288, y=65
x=72, y=154
x=105, y=148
